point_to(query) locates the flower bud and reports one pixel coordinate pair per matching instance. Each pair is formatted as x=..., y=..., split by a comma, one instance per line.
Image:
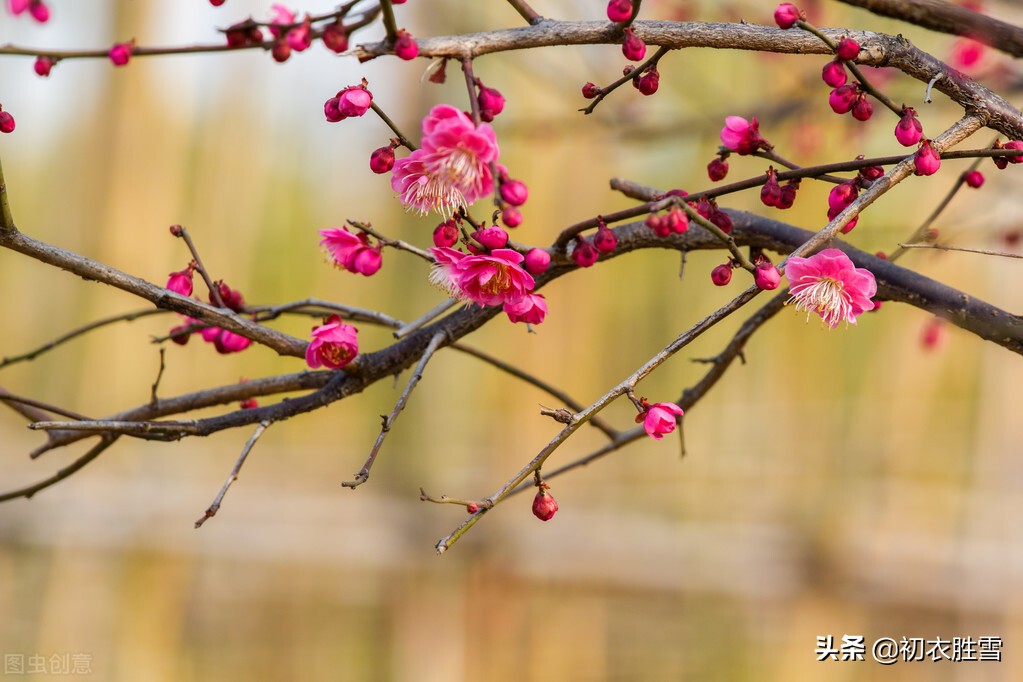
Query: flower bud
x=619, y=10
x=514, y=192
x=717, y=169
x=335, y=37
x=6, y=122
x=648, y=82
x=491, y=237
x=511, y=216
x=544, y=506
x=862, y=109
x=927, y=159
x=405, y=46
x=908, y=131
x=973, y=178
x=382, y=160
x=834, y=74
x=847, y=49
x=584, y=254
x=721, y=275
x=590, y=90
x=537, y=261
x=786, y=15
x=120, y=53
x=843, y=98
x=633, y=47
x=43, y=65
x=767, y=276
x=445, y=234
x=491, y=102
x=605, y=240
x=367, y=261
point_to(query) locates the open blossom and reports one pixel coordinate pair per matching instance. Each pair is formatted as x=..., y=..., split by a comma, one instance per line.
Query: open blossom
x=828, y=284
x=181, y=282
x=742, y=136
x=334, y=344
x=351, y=252
x=452, y=167
x=485, y=279
x=532, y=309
x=659, y=419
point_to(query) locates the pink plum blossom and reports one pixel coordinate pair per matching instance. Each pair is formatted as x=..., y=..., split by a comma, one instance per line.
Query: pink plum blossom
x=828, y=284
x=537, y=261
x=452, y=167
x=742, y=136
x=37, y=8
x=405, y=46
x=619, y=10
x=659, y=418
x=279, y=14
x=334, y=344
x=485, y=279
x=532, y=309
x=120, y=53
x=908, y=131
x=340, y=244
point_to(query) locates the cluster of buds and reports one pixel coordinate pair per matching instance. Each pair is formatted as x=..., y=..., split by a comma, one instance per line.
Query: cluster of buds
x=1002, y=161
x=776, y=195
x=717, y=169
x=674, y=221
x=223, y=340
x=833, y=72
x=648, y=82
x=708, y=208
x=243, y=34
x=514, y=194
x=851, y=98
x=352, y=101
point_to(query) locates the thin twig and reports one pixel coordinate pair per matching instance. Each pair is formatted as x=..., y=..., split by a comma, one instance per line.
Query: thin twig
x=159, y=375
x=7, y=397
x=635, y=73
x=31, y=490
x=725, y=238
x=580, y=418
x=182, y=232
x=394, y=243
x=390, y=25
x=6, y=218
x=526, y=12
x=597, y=422
x=78, y=331
x=405, y=141
x=965, y=249
x=426, y=318
x=175, y=429
x=363, y=475
x=212, y=510
x=470, y=84
x=689, y=397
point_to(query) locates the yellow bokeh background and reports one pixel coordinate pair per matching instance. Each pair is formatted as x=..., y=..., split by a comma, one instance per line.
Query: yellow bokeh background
x=838, y=482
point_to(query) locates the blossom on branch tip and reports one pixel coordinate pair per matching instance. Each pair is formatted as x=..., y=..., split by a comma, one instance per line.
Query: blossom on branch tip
x=659, y=419
x=334, y=344
x=827, y=283
x=452, y=168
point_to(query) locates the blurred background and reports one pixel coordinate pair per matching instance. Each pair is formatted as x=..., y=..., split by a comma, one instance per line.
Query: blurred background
x=862, y=481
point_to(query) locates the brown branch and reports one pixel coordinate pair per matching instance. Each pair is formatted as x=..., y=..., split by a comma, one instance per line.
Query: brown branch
x=947, y=17
x=963, y=249
x=526, y=12
x=877, y=49
x=212, y=510
x=363, y=475
x=159, y=296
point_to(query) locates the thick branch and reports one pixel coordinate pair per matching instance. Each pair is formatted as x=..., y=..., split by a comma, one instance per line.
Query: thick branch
x=877, y=49
x=947, y=17
x=160, y=297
